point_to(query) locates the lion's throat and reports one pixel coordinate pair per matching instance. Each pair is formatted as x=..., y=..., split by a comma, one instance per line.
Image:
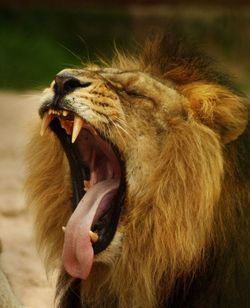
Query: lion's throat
x=78, y=254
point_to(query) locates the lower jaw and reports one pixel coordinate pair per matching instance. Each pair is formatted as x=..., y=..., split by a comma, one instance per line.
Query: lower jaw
x=112, y=252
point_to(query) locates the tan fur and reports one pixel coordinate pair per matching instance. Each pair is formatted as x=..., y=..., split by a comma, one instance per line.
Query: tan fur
x=179, y=206
x=218, y=108
x=51, y=187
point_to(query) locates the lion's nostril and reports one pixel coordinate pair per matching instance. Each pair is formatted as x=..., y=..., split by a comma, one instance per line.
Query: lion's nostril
x=71, y=84
x=65, y=84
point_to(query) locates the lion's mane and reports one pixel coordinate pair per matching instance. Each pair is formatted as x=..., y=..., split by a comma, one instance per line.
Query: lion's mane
x=186, y=227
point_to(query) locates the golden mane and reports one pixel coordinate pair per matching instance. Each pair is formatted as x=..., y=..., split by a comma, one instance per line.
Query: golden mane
x=185, y=228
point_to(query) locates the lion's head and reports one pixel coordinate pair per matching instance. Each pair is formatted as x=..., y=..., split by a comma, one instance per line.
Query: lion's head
x=140, y=162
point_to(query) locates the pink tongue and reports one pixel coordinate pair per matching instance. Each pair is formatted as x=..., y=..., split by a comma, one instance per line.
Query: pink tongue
x=78, y=252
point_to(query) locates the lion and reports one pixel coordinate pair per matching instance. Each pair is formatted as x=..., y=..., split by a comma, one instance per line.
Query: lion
x=139, y=182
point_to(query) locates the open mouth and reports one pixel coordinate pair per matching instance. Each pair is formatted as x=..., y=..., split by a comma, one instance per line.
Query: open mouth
x=98, y=183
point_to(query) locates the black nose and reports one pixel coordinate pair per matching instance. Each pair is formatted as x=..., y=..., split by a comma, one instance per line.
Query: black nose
x=65, y=84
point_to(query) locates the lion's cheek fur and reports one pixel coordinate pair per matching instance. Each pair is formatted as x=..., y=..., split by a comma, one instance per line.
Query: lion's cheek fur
x=163, y=225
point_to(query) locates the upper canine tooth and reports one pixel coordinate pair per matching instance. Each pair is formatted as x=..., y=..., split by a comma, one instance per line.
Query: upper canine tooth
x=65, y=113
x=77, y=126
x=47, y=118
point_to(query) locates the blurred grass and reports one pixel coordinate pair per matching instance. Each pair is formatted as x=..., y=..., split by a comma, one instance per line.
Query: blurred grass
x=36, y=44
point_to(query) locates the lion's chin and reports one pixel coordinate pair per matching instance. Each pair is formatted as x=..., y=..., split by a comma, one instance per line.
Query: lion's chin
x=98, y=190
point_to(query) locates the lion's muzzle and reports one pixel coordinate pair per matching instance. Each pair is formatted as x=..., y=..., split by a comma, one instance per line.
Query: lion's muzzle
x=97, y=173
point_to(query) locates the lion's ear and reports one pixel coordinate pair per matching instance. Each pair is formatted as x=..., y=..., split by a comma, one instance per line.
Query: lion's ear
x=218, y=108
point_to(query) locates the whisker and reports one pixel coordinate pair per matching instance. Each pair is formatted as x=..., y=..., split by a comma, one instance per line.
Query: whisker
x=121, y=125
x=118, y=131
x=71, y=52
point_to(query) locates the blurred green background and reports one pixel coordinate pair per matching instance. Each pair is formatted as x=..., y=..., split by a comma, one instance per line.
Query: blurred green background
x=38, y=39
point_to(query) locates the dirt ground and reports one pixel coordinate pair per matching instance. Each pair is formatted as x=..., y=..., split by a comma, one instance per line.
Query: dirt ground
x=19, y=258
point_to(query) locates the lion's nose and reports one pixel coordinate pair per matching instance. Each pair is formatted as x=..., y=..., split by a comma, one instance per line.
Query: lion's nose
x=65, y=83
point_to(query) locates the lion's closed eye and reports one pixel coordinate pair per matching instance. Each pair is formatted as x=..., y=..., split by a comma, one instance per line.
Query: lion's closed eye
x=133, y=92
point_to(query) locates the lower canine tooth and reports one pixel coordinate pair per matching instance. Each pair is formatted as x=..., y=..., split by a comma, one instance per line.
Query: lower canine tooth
x=86, y=185
x=93, y=237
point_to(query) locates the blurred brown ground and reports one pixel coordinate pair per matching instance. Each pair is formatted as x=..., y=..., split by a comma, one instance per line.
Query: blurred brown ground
x=19, y=258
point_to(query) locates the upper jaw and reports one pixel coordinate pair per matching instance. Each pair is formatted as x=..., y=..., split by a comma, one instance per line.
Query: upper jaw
x=70, y=121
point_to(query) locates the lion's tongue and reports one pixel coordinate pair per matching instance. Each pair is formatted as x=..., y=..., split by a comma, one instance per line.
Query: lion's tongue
x=78, y=252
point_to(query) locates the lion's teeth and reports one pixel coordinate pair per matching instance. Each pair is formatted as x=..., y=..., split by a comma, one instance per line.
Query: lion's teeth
x=93, y=237
x=78, y=123
x=63, y=228
x=65, y=113
x=47, y=118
